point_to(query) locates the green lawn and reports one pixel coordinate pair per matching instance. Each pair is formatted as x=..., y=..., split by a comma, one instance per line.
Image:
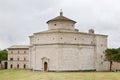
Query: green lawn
x=29, y=75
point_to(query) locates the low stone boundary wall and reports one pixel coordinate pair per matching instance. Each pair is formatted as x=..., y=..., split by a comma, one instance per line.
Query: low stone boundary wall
x=116, y=66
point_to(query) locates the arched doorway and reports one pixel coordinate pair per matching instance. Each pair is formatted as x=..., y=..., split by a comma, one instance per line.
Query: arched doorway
x=45, y=66
x=24, y=66
x=11, y=66
x=5, y=65
x=17, y=65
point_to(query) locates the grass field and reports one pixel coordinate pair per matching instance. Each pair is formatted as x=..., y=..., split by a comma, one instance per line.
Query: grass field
x=29, y=75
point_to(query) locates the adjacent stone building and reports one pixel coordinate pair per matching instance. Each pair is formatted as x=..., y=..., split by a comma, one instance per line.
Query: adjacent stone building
x=64, y=48
x=18, y=56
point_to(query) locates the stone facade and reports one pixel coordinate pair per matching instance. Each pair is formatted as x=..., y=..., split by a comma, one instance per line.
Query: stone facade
x=18, y=56
x=64, y=48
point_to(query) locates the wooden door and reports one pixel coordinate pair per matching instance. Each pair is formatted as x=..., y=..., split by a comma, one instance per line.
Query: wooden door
x=45, y=66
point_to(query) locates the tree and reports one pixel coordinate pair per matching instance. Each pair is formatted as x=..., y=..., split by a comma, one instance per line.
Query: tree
x=3, y=55
x=116, y=57
x=111, y=55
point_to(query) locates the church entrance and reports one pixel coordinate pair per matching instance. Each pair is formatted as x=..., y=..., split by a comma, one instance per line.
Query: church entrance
x=45, y=66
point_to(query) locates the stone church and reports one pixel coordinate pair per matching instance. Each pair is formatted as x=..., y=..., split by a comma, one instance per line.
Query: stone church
x=64, y=48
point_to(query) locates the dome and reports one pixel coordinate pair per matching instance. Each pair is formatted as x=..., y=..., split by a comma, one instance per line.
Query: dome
x=61, y=22
x=61, y=18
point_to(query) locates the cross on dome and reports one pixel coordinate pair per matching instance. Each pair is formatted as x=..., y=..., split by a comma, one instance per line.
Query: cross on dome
x=61, y=13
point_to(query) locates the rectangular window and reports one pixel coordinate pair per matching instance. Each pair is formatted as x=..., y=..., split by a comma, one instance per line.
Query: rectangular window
x=18, y=52
x=11, y=59
x=24, y=52
x=24, y=59
x=11, y=52
x=18, y=59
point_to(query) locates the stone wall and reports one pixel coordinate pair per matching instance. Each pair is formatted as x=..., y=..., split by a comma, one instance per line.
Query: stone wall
x=116, y=66
x=68, y=50
x=101, y=46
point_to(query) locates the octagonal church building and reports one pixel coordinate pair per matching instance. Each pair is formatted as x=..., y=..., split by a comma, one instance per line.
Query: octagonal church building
x=63, y=48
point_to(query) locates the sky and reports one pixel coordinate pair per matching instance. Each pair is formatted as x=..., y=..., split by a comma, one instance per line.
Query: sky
x=19, y=19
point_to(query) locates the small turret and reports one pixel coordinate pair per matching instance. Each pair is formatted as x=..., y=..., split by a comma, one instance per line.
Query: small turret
x=91, y=31
x=61, y=13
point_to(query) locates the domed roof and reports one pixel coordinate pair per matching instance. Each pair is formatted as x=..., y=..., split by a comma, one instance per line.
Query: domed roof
x=61, y=18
